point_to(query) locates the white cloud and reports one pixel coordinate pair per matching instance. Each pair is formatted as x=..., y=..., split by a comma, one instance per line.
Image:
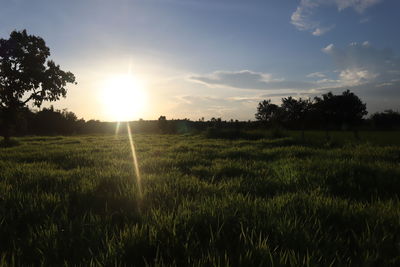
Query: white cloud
x=366, y=43
x=316, y=75
x=322, y=30
x=357, y=5
x=302, y=17
x=246, y=79
x=328, y=49
x=327, y=82
x=356, y=76
x=364, y=63
x=373, y=74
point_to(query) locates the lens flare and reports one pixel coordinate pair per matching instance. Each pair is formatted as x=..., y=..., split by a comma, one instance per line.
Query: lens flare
x=117, y=128
x=135, y=162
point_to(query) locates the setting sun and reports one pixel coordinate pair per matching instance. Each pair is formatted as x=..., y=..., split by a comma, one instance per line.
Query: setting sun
x=123, y=97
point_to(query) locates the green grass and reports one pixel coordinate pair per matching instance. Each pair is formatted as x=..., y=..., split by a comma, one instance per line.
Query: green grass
x=347, y=137
x=74, y=201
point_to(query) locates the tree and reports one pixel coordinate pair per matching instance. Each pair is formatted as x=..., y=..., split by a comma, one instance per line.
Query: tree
x=266, y=111
x=26, y=75
x=386, y=120
x=345, y=110
x=163, y=124
x=295, y=112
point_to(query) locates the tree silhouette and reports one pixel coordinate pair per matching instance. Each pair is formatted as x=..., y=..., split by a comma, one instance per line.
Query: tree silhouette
x=266, y=111
x=163, y=124
x=295, y=112
x=345, y=110
x=386, y=120
x=27, y=76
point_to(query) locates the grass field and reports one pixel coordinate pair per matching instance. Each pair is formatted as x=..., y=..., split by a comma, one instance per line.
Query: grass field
x=75, y=201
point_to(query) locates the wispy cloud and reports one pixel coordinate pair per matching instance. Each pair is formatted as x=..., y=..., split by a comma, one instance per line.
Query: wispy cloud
x=303, y=17
x=372, y=73
x=322, y=30
x=360, y=63
x=210, y=106
x=316, y=75
x=246, y=79
x=356, y=64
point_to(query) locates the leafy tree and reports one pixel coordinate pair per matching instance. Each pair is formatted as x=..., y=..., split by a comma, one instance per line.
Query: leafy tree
x=295, y=112
x=27, y=76
x=266, y=112
x=345, y=110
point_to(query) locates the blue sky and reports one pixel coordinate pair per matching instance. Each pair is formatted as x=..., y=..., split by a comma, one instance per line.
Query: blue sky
x=203, y=58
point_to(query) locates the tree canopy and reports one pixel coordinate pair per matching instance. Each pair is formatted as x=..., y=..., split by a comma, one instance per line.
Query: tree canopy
x=332, y=111
x=343, y=110
x=294, y=111
x=26, y=75
x=266, y=111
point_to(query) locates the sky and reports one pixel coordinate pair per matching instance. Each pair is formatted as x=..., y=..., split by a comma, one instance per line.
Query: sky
x=216, y=58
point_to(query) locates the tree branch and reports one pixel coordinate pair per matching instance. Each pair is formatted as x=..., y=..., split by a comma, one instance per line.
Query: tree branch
x=31, y=97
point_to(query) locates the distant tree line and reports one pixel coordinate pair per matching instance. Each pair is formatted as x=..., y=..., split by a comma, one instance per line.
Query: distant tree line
x=329, y=111
x=51, y=121
x=345, y=111
x=293, y=114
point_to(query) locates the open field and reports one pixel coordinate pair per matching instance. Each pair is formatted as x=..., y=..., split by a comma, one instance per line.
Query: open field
x=75, y=201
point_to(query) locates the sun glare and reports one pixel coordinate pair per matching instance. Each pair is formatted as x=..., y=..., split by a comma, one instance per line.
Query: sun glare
x=123, y=97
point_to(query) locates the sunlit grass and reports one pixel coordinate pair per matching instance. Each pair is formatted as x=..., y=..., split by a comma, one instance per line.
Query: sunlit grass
x=205, y=202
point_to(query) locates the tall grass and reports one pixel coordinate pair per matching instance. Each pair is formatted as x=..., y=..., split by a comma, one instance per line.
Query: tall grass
x=73, y=201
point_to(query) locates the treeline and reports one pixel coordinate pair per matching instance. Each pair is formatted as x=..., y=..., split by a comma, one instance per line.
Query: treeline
x=328, y=112
x=345, y=111
x=50, y=121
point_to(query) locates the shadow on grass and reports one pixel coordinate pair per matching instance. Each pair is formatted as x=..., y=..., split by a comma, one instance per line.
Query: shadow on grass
x=9, y=143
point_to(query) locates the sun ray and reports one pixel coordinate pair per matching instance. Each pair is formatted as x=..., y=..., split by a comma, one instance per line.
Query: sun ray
x=117, y=128
x=135, y=162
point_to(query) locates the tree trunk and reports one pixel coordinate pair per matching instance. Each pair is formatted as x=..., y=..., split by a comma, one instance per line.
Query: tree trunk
x=9, y=121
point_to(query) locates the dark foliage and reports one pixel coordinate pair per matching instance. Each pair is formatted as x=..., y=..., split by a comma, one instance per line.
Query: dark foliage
x=266, y=112
x=345, y=111
x=340, y=111
x=27, y=76
x=386, y=120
